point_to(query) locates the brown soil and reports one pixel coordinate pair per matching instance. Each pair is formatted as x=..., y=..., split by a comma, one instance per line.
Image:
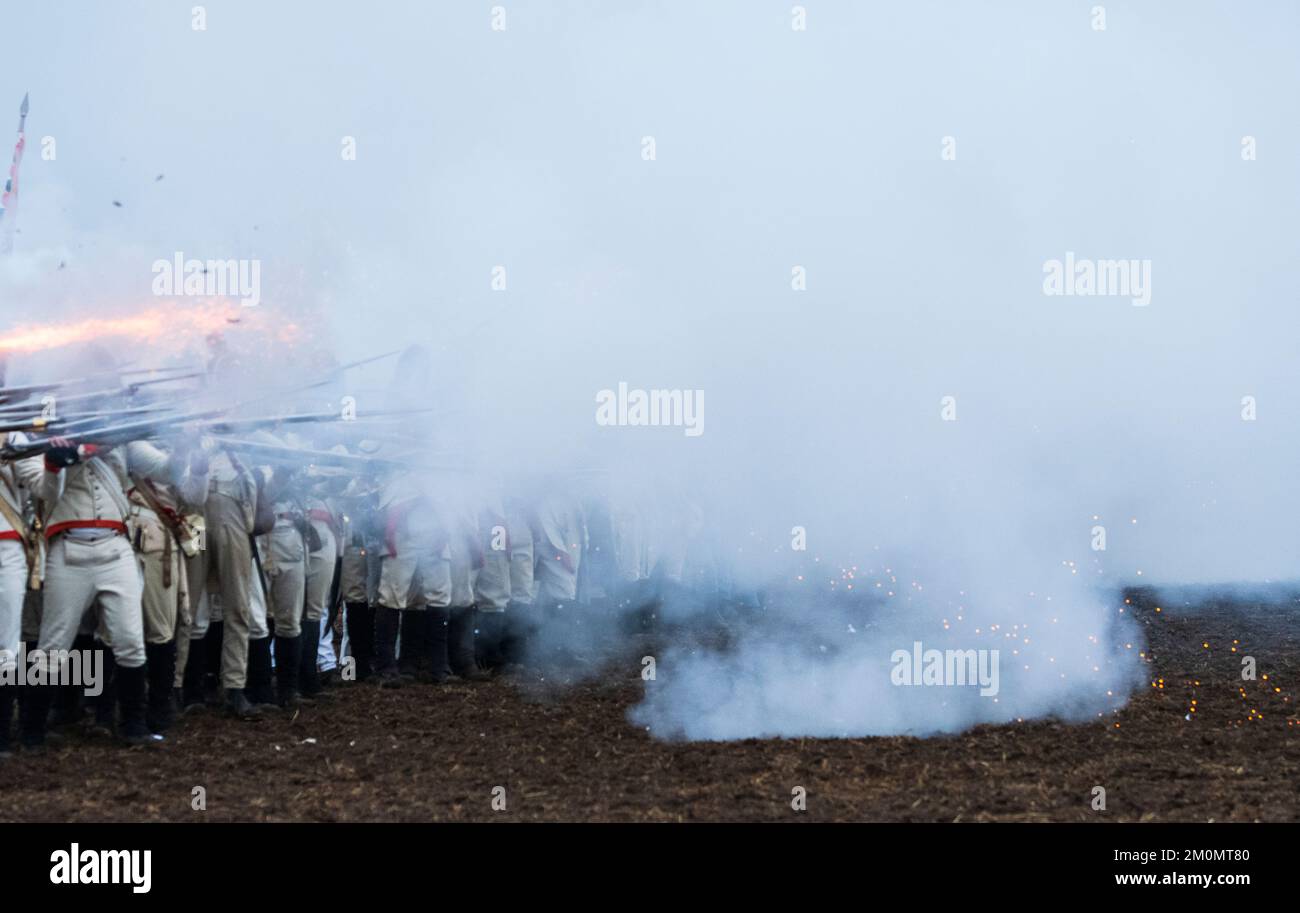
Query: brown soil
x=428, y=753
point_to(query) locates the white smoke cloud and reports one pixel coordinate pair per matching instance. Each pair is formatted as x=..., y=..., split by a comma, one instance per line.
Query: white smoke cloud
x=775, y=149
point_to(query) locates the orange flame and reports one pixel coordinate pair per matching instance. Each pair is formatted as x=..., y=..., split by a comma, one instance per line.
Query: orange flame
x=178, y=325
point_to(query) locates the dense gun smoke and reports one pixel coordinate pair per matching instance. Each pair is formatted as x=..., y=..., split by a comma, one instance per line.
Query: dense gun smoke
x=881, y=369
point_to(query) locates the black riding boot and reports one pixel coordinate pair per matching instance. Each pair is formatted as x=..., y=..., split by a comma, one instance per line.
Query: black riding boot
x=368, y=638
x=131, y=700
x=37, y=700
x=23, y=692
x=386, y=627
x=460, y=644
x=8, y=697
x=308, y=674
x=515, y=639
x=361, y=638
x=412, y=645
x=239, y=707
x=69, y=706
x=192, y=680
x=491, y=634
x=288, y=657
x=160, y=660
x=435, y=640
x=257, y=686
x=106, y=700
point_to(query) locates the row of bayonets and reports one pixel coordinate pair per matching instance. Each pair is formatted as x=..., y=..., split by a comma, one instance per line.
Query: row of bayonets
x=114, y=416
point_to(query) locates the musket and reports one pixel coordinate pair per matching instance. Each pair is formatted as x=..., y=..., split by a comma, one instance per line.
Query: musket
x=25, y=391
x=126, y=390
x=298, y=456
x=64, y=424
x=111, y=434
x=207, y=420
x=111, y=413
x=278, y=453
x=231, y=425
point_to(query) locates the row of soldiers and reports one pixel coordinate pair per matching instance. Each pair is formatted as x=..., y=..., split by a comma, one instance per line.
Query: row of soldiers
x=148, y=549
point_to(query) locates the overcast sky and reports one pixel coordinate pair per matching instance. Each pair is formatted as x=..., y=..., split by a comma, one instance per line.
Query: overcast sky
x=774, y=148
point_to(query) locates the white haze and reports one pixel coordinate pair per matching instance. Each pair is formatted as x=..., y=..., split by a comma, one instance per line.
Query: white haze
x=775, y=148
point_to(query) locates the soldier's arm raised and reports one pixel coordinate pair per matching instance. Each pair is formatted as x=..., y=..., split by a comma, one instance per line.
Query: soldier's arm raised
x=144, y=460
x=192, y=486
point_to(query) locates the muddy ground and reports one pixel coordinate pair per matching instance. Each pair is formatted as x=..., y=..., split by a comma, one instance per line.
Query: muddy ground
x=428, y=753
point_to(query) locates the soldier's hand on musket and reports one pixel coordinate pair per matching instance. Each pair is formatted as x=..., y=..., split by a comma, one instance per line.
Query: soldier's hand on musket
x=62, y=453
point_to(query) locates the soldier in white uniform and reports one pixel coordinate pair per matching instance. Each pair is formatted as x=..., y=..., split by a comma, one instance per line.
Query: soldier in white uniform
x=492, y=584
x=322, y=556
x=466, y=553
x=90, y=562
x=226, y=563
x=259, y=684
x=206, y=616
x=359, y=582
x=615, y=571
x=166, y=530
x=415, y=585
x=284, y=549
x=18, y=564
x=558, y=540
x=521, y=620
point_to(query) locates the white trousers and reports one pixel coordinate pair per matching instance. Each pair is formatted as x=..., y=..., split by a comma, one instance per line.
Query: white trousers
x=80, y=574
x=13, y=589
x=325, y=658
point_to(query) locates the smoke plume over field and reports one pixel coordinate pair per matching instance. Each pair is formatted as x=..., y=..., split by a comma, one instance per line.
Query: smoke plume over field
x=778, y=154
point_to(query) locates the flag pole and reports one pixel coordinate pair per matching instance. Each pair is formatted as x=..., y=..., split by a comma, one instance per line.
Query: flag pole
x=9, y=205
x=9, y=197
